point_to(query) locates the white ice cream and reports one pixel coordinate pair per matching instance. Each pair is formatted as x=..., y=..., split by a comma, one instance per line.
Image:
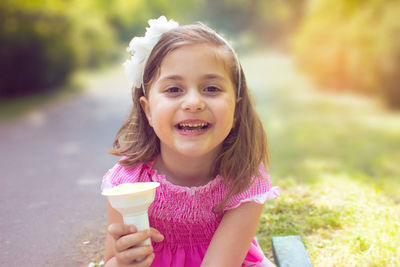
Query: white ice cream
x=128, y=188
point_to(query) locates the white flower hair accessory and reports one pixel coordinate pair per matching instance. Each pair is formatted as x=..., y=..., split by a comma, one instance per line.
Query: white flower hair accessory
x=141, y=47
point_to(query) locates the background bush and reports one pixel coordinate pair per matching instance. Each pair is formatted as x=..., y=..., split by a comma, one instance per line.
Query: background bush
x=352, y=46
x=42, y=42
x=346, y=45
x=34, y=53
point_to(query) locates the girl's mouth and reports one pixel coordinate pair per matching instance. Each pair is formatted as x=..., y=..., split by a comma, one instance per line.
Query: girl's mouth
x=192, y=128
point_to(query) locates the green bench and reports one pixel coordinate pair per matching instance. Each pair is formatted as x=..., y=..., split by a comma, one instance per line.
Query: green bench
x=289, y=251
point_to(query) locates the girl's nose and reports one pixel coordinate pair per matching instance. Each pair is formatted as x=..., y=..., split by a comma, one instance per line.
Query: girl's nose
x=193, y=101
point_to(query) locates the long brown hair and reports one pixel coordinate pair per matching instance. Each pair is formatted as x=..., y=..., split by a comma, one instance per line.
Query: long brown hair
x=243, y=150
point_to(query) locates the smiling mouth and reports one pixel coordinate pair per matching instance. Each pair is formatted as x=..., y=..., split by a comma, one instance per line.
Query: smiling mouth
x=193, y=127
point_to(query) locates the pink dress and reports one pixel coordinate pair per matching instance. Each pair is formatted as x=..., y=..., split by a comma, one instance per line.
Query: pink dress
x=184, y=215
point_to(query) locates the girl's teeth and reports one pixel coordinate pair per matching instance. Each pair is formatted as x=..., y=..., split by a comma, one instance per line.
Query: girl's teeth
x=193, y=125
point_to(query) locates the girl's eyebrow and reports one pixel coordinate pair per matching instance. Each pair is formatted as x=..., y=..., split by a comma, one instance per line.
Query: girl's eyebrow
x=172, y=77
x=214, y=77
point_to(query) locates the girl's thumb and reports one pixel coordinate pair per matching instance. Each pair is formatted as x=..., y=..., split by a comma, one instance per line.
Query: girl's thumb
x=156, y=236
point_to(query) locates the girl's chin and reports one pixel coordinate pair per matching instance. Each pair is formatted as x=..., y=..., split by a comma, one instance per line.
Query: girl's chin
x=197, y=152
x=191, y=149
x=193, y=153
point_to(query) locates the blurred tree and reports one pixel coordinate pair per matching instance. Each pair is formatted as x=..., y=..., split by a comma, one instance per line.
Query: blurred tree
x=91, y=34
x=42, y=41
x=268, y=22
x=33, y=50
x=126, y=17
x=129, y=18
x=352, y=45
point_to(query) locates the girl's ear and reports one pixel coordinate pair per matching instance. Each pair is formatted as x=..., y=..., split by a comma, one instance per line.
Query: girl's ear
x=238, y=100
x=144, y=102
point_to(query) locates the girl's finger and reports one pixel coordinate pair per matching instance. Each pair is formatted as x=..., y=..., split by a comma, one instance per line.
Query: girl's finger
x=146, y=262
x=127, y=241
x=131, y=255
x=116, y=230
x=156, y=236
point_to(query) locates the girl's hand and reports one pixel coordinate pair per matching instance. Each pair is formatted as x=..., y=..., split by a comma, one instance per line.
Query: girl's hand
x=126, y=238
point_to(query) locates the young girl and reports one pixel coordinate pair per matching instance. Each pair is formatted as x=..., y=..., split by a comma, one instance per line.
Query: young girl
x=194, y=130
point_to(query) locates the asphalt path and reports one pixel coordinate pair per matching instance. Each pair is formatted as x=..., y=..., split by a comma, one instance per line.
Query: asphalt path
x=51, y=164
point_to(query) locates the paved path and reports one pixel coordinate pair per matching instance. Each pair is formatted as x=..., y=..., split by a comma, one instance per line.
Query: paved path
x=52, y=161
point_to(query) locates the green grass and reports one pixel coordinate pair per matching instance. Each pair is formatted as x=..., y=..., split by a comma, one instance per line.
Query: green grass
x=336, y=159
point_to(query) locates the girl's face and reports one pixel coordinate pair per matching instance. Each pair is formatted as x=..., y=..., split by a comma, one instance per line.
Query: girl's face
x=191, y=103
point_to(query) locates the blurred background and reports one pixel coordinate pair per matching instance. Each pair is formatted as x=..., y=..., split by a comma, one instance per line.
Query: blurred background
x=325, y=76
x=341, y=45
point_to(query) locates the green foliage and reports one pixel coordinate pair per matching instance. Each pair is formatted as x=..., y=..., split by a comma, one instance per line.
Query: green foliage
x=91, y=34
x=43, y=41
x=52, y=37
x=352, y=45
x=34, y=53
x=269, y=21
x=127, y=18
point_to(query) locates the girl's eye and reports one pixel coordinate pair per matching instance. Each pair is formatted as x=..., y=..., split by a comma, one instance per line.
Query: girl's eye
x=212, y=89
x=173, y=90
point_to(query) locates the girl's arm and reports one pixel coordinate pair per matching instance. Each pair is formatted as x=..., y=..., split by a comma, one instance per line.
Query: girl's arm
x=113, y=217
x=232, y=239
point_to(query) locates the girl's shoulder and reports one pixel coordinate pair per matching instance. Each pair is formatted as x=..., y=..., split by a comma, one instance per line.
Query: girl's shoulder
x=119, y=174
x=259, y=191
